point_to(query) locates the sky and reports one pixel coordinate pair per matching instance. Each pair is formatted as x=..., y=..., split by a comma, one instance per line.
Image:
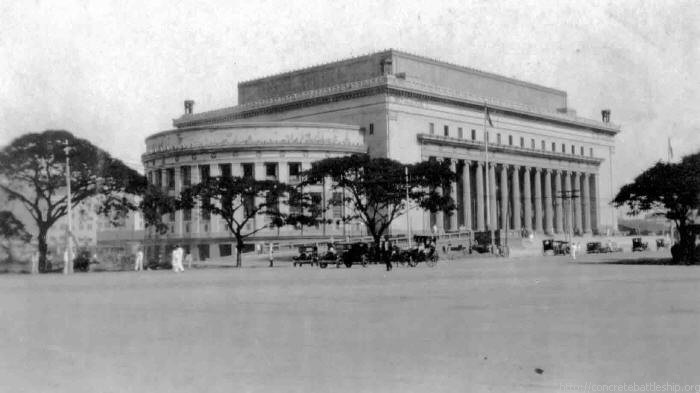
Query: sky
x=116, y=72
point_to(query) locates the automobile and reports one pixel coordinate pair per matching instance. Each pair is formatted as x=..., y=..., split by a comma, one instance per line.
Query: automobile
x=661, y=244
x=307, y=255
x=638, y=245
x=594, y=247
x=330, y=256
x=610, y=246
x=351, y=253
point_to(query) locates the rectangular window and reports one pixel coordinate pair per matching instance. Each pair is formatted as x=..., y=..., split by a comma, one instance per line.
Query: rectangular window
x=203, y=251
x=225, y=250
x=447, y=130
x=206, y=214
x=432, y=128
x=590, y=151
x=186, y=174
x=473, y=135
x=225, y=170
x=294, y=171
x=248, y=205
x=582, y=150
x=371, y=128
x=150, y=177
x=532, y=143
x=460, y=133
x=159, y=178
x=563, y=148
x=510, y=140
x=573, y=149
x=498, y=139
x=337, y=204
x=170, y=176
x=187, y=214
x=203, y=173
x=522, y=142
x=295, y=202
x=248, y=171
x=271, y=170
x=554, y=146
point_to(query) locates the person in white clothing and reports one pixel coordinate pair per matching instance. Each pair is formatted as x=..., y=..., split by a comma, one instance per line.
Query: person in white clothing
x=138, y=265
x=177, y=259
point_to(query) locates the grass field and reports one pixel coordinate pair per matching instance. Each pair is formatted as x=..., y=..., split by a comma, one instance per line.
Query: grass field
x=469, y=325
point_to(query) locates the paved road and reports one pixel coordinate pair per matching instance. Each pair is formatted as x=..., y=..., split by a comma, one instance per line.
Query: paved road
x=475, y=325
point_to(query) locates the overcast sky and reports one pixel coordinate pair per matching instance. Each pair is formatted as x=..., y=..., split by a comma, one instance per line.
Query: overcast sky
x=116, y=72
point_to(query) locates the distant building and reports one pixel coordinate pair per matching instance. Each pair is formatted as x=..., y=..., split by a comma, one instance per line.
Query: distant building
x=548, y=170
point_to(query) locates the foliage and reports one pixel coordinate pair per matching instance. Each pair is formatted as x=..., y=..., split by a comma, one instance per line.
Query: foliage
x=672, y=188
x=238, y=200
x=155, y=203
x=12, y=228
x=375, y=188
x=33, y=169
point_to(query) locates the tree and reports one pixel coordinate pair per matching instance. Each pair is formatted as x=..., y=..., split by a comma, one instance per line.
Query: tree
x=155, y=203
x=33, y=172
x=672, y=189
x=238, y=200
x=375, y=188
x=11, y=228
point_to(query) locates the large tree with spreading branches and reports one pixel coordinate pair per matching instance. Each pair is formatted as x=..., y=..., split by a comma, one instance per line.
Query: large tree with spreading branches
x=374, y=189
x=670, y=189
x=33, y=172
x=239, y=201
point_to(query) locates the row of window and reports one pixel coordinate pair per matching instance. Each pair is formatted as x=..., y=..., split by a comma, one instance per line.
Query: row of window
x=511, y=142
x=248, y=169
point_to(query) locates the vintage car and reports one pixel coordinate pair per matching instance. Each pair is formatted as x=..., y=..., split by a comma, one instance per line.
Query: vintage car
x=638, y=245
x=306, y=255
x=662, y=244
x=594, y=247
x=556, y=247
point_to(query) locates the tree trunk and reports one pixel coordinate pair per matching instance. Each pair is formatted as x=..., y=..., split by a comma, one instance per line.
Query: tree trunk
x=239, y=249
x=43, y=248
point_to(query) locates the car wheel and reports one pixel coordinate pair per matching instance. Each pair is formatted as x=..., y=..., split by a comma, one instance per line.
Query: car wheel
x=323, y=265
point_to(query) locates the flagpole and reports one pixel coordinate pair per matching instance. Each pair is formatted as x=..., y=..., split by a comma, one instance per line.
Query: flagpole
x=488, y=177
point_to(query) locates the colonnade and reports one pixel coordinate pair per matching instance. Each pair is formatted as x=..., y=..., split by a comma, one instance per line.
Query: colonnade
x=544, y=200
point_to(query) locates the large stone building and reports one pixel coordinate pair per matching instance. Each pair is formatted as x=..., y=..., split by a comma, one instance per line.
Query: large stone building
x=408, y=108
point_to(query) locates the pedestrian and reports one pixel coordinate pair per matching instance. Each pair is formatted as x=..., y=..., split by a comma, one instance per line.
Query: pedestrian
x=574, y=247
x=188, y=259
x=138, y=265
x=272, y=259
x=34, y=269
x=177, y=259
x=386, y=253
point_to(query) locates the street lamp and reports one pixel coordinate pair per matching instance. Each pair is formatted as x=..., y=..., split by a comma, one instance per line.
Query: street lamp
x=68, y=265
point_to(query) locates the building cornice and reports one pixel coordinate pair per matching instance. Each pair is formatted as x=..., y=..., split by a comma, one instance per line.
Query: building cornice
x=267, y=124
x=394, y=86
x=496, y=148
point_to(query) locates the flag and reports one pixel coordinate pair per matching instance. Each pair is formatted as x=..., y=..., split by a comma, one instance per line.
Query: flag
x=670, y=149
x=488, y=116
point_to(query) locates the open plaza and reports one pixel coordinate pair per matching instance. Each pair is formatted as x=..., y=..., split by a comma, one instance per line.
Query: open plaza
x=546, y=324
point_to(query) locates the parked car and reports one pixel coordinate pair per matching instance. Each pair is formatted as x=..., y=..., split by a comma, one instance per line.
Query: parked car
x=307, y=254
x=639, y=245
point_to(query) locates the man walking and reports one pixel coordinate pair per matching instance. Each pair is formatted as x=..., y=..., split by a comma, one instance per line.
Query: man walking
x=177, y=259
x=138, y=265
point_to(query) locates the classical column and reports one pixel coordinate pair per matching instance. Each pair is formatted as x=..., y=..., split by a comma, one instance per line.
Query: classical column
x=538, y=200
x=439, y=215
x=493, y=219
x=527, y=199
x=466, y=195
x=453, y=195
x=504, y=197
x=568, y=205
x=480, y=222
x=586, y=204
x=516, y=198
x=559, y=207
x=578, y=220
x=552, y=206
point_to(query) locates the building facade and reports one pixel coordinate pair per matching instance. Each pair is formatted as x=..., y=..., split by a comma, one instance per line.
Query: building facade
x=547, y=170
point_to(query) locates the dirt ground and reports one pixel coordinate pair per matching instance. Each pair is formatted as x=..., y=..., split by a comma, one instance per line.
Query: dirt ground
x=489, y=324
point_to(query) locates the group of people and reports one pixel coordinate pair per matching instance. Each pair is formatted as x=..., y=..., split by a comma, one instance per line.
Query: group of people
x=176, y=259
